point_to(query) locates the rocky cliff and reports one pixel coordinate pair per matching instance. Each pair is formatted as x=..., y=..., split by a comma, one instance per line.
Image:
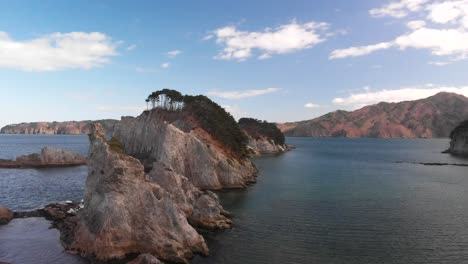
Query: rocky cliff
x=50, y=128
x=433, y=117
x=177, y=141
x=146, y=186
x=459, y=140
x=263, y=137
x=127, y=212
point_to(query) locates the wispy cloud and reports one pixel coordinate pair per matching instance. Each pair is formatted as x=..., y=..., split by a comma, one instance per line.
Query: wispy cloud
x=443, y=32
x=292, y=37
x=174, y=53
x=311, y=105
x=359, y=51
x=242, y=94
x=131, y=47
x=57, y=51
x=398, y=9
x=358, y=100
x=165, y=65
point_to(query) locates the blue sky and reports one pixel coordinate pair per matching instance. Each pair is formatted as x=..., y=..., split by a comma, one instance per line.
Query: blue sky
x=273, y=60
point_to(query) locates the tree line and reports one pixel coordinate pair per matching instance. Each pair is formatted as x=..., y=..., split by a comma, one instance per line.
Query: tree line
x=210, y=116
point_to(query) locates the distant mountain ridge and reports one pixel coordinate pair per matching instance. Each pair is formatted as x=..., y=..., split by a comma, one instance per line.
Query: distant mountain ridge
x=432, y=117
x=51, y=128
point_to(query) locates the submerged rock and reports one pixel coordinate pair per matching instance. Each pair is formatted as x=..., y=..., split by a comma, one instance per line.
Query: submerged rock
x=5, y=215
x=49, y=157
x=459, y=140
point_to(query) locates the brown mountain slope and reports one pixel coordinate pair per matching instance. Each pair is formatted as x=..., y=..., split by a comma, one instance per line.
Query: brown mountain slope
x=433, y=117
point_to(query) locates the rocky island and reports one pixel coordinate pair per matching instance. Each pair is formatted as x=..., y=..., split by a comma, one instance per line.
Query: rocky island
x=148, y=186
x=459, y=140
x=64, y=128
x=48, y=157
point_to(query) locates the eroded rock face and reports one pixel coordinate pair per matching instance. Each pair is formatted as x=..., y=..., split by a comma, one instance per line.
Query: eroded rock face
x=264, y=145
x=5, y=215
x=202, y=208
x=185, y=148
x=126, y=212
x=459, y=140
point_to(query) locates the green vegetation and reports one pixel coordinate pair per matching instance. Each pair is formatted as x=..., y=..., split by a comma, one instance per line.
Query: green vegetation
x=168, y=99
x=115, y=145
x=256, y=128
x=209, y=116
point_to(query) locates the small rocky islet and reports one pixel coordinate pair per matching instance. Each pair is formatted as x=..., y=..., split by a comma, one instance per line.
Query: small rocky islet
x=147, y=193
x=48, y=157
x=459, y=140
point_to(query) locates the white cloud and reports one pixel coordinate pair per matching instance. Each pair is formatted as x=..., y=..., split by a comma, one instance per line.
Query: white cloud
x=359, y=51
x=242, y=94
x=131, y=47
x=450, y=40
x=208, y=37
x=235, y=111
x=57, y=51
x=174, y=53
x=292, y=37
x=358, y=100
x=440, y=42
x=398, y=9
x=311, y=105
x=416, y=24
x=165, y=65
x=447, y=11
x=264, y=56
x=440, y=63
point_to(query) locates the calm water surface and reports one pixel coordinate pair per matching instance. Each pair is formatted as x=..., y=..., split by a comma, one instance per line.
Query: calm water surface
x=330, y=201
x=25, y=189
x=346, y=201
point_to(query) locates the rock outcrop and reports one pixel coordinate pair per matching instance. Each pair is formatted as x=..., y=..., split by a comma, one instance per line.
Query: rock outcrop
x=127, y=211
x=264, y=145
x=185, y=148
x=433, y=117
x=49, y=157
x=459, y=140
x=5, y=215
x=50, y=128
x=264, y=137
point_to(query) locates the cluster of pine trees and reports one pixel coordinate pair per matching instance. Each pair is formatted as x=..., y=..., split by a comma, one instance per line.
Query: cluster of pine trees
x=209, y=115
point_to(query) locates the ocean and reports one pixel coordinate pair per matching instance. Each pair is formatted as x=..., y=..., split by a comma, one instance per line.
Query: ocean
x=330, y=201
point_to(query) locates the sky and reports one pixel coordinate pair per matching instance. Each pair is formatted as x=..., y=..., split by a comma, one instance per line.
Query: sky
x=272, y=60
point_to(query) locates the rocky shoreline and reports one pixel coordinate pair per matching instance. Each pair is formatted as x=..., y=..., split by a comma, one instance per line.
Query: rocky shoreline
x=147, y=194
